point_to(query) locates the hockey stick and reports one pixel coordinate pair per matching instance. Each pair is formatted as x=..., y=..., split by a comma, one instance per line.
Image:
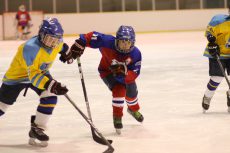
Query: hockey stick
x=110, y=147
x=95, y=137
x=222, y=69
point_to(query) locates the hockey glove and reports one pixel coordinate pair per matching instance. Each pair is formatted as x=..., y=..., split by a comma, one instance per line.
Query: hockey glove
x=77, y=48
x=214, y=49
x=118, y=68
x=211, y=38
x=66, y=54
x=56, y=87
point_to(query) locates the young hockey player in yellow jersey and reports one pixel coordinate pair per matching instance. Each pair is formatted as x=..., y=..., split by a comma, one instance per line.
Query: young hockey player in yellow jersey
x=30, y=69
x=218, y=36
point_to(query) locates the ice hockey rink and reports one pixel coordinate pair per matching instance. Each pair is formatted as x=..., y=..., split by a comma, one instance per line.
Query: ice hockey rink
x=171, y=85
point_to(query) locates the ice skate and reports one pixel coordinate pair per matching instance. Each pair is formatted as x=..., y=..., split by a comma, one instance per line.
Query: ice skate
x=117, y=122
x=205, y=103
x=37, y=135
x=228, y=100
x=137, y=115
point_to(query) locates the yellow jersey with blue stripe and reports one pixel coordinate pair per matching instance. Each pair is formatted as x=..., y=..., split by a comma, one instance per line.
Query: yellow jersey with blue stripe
x=219, y=26
x=31, y=64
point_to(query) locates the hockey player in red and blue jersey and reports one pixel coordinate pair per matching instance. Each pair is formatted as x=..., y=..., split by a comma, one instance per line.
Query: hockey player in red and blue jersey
x=119, y=67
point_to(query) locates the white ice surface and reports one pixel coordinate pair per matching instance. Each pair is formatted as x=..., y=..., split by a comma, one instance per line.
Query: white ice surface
x=171, y=86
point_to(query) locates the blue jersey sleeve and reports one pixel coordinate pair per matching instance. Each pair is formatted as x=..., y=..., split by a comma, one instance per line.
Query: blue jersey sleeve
x=135, y=66
x=98, y=40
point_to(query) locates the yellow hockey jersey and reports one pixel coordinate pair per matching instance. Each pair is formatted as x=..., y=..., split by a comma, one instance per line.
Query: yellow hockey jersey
x=219, y=26
x=31, y=63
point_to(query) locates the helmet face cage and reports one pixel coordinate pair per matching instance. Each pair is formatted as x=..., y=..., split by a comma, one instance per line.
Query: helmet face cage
x=125, y=39
x=50, y=33
x=50, y=41
x=124, y=45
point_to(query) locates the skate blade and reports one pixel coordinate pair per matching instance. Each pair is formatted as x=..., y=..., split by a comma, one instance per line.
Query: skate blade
x=228, y=109
x=118, y=131
x=204, y=111
x=37, y=143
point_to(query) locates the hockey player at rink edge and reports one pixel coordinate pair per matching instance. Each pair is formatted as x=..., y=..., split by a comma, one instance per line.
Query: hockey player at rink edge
x=119, y=67
x=23, y=23
x=217, y=33
x=30, y=69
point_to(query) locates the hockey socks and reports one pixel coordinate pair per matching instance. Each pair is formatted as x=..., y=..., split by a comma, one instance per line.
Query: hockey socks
x=212, y=85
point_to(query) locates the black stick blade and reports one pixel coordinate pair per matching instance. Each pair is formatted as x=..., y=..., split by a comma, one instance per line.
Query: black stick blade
x=98, y=139
x=109, y=150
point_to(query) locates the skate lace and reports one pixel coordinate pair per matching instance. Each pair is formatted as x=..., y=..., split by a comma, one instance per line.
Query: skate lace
x=39, y=131
x=117, y=120
x=137, y=114
x=207, y=100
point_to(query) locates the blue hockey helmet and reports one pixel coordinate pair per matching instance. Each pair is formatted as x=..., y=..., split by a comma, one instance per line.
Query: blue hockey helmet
x=50, y=33
x=125, y=39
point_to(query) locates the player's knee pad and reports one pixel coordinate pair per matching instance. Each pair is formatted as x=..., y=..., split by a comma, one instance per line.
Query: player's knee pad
x=46, y=93
x=131, y=90
x=47, y=105
x=3, y=108
x=109, y=81
x=131, y=96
